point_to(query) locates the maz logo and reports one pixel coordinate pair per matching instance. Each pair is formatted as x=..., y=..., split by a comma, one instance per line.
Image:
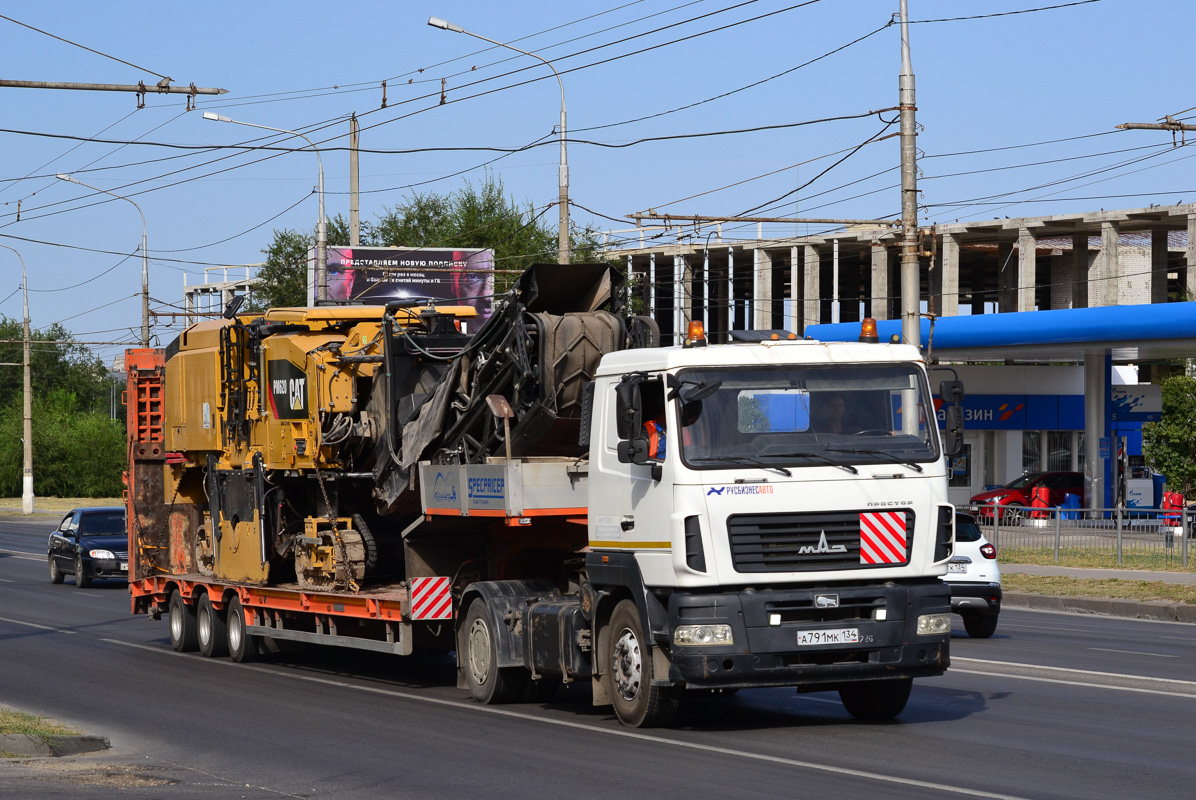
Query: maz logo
x=823, y=547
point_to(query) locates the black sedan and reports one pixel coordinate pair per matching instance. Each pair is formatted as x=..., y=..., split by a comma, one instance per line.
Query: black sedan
x=90, y=543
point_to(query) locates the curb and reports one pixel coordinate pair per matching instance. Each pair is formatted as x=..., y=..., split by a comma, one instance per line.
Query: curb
x=1110, y=607
x=28, y=745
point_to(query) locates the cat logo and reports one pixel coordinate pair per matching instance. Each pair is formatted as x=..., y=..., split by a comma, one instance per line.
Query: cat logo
x=823, y=547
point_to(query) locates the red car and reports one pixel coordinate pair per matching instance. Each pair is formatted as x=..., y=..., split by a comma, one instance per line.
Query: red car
x=1016, y=495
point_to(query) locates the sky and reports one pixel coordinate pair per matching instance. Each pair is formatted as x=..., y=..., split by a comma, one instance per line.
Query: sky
x=775, y=108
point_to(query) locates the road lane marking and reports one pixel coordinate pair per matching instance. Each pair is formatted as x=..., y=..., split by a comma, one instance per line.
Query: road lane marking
x=35, y=625
x=1133, y=652
x=1168, y=687
x=22, y=554
x=619, y=732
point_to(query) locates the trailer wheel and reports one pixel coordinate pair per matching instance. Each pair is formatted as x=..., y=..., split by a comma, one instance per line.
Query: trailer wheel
x=638, y=704
x=242, y=646
x=182, y=624
x=477, y=655
x=211, y=629
x=874, y=700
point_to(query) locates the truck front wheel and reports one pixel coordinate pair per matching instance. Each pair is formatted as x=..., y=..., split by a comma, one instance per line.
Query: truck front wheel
x=477, y=656
x=873, y=700
x=628, y=656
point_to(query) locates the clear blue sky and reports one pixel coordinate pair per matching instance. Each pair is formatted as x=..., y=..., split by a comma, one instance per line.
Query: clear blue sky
x=998, y=82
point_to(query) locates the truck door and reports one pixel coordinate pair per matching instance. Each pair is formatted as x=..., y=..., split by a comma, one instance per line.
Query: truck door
x=630, y=509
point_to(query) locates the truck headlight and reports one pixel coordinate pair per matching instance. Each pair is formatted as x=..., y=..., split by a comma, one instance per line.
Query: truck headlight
x=102, y=554
x=934, y=624
x=703, y=634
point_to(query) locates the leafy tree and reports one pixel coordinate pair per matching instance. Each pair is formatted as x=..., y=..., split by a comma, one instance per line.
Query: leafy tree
x=62, y=364
x=475, y=216
x=75, y=453
x=1169, y=445
x=283, y=278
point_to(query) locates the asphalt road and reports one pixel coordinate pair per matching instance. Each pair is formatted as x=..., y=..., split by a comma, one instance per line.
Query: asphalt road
x=1053, y=706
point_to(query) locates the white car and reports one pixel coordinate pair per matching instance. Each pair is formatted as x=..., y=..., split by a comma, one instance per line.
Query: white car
x=975, y=579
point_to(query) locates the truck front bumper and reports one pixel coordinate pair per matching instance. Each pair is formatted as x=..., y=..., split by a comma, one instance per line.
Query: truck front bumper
x=781, y=637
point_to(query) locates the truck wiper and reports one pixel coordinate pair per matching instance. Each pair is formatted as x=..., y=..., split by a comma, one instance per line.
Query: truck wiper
x=817, y=457
x=755, y=462
x=892, y=459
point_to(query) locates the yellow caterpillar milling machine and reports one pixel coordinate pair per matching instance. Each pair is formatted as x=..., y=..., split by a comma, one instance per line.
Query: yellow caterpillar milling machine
x=289, y=437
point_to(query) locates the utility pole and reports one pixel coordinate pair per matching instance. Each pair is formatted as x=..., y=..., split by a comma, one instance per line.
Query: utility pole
x=354, y=184
x=27, y=430
x=161, y=87
x=911, y=324
x=1169, y=124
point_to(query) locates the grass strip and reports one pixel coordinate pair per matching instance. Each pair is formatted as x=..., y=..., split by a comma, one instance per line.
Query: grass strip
x=1061, y=586
x=20, y=722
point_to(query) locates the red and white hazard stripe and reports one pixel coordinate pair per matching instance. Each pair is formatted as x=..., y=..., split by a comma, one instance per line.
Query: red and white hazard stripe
x=431, y=598
x=882, y=537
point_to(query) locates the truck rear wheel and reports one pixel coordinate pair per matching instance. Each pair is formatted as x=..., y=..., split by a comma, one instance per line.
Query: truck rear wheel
x=477, y=655
x=242, y=646
x=873, y=700
x=638, y=704
x=210, y=629
x=182, y=625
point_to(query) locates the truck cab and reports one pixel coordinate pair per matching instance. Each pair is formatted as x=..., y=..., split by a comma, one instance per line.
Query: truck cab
x=787, y=526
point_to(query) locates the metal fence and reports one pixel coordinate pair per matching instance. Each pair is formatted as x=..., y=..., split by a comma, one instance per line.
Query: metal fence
x=1133, y=537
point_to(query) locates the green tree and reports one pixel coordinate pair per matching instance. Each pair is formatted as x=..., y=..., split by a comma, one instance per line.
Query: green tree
x=1169, y=445
x=75, y=453
x=481, y=216
x=56, y=361
x=283, y=277
x=475, y=216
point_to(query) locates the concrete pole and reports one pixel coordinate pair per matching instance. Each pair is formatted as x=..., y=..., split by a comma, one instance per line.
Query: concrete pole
x=144, y=253
x=880, y=280
x=910, y=322
x=563, y=170
x=1079, y=271
x=950, y=275
x=27, y=431
x=321, y=224
x=1095, y=378
x=354, y=183
x=1027, y=261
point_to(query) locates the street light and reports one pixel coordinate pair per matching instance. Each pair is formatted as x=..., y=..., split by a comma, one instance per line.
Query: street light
x=563, y=172
x=145, y=335
x=27, y=481
x=322, y=225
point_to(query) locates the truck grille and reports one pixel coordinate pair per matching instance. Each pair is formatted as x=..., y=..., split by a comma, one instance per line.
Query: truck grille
x=795, y=542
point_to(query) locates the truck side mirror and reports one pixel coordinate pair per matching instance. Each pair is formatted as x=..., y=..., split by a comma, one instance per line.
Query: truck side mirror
x=629, y=413
x=953, y=431
x=951, y=391
x=629, y=423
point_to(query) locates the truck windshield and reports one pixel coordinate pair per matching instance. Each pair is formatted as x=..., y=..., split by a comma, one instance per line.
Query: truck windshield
x=808, y=416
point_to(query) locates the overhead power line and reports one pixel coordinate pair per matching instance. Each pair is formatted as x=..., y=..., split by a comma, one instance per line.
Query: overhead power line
x=85, y=47
x=1005, y=13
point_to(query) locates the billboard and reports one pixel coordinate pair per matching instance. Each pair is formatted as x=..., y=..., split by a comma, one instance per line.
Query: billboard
x=380, y=275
